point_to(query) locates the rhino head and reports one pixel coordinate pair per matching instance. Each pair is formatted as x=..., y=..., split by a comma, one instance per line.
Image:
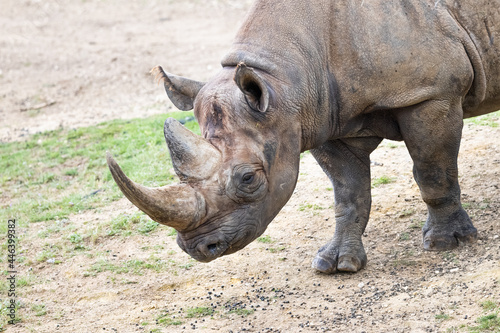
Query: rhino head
x=237, y=176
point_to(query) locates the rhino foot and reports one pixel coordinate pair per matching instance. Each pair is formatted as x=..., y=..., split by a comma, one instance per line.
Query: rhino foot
x=447, y=236
x=332, y=258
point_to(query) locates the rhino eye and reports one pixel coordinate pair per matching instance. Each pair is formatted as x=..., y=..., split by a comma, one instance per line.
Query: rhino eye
x=248, y=178
x=248, y=183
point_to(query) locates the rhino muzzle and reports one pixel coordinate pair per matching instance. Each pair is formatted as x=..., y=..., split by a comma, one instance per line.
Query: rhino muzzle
x=179, y=206
x=207, y=249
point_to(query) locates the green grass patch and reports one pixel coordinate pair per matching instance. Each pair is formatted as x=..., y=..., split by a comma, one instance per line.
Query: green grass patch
x=188, y=265
x=308, y=206
x=488, y=323
x=125, y=224
x=404, y=236
x=171, y=232
x=75, y=238
x=442, y=317
x=167, y=320
x=276, y=249
x=137, y=267
x=25, y=280
x=466, y=205
x=46, y=255
x=382, y=181
x=39, y=309
x=199, y=312
x=265, y=239
x=490, y=120
x=147, y=226
x=71, y=172
x=489, y=305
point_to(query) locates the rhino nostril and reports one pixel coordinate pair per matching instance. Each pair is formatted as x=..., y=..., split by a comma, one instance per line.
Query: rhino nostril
x=212, y=248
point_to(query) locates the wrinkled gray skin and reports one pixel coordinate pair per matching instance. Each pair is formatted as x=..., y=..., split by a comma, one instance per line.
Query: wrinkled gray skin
x=333, y=77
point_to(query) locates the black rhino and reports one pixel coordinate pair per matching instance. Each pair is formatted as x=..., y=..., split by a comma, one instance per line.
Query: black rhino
x=333, y=77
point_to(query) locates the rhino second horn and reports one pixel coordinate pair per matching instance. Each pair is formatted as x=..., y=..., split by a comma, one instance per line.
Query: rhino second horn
x=193, y=157
x=178, y=206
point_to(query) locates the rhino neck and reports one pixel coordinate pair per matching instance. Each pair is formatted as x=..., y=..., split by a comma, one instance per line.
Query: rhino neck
x=297, y=56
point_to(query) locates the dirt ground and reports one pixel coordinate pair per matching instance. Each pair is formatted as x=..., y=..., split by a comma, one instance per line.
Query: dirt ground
x=78, y=63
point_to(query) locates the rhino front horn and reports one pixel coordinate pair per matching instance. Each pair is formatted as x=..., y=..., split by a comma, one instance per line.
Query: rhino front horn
x=193, y=157
x=178, y=206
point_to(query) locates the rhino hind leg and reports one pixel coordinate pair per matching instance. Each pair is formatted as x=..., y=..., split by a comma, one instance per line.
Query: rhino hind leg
x=432, y=133
x=347, y=164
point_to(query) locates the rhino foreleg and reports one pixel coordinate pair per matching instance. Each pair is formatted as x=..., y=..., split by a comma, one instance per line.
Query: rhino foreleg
x=432, y=132
x=347, y=164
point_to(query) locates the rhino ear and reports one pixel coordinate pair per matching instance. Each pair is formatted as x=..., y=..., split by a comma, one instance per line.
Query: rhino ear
x=253, y=87
x=180, y=90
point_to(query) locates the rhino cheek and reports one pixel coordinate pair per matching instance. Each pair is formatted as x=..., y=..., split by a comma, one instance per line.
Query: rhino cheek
x=281, y=189
x=243, y=234
x=247, y=237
